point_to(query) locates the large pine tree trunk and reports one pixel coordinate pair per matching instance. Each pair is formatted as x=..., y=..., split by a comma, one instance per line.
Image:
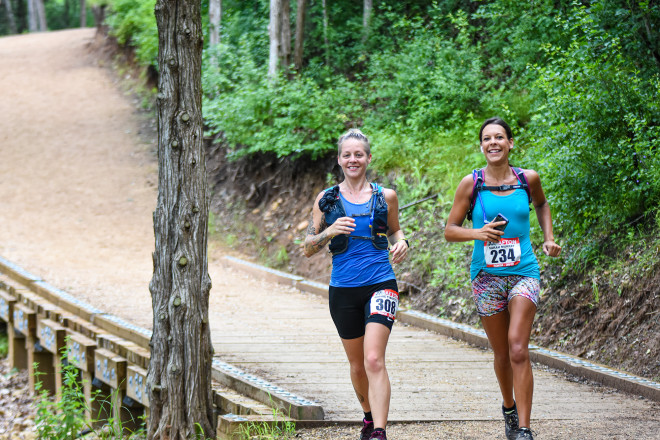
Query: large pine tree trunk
x=11, y=20
x=215, y=16
x=274, y=34
x=179, y=377
x=300, y=34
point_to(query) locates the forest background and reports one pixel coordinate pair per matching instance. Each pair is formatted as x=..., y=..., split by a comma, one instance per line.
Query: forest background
x=578, y=81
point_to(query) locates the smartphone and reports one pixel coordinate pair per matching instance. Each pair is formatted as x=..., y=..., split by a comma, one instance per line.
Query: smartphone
x=500, y=218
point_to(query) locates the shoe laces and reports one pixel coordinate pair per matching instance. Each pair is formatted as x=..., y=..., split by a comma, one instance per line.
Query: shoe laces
x=525, y=433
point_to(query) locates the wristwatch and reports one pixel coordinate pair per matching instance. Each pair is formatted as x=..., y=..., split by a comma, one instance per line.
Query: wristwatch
x=406, y=240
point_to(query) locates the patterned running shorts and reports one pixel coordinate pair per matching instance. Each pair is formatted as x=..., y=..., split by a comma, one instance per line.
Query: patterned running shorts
x=492, y=293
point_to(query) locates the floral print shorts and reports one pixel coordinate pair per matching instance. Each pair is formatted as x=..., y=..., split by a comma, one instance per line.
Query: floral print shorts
x=492, y=293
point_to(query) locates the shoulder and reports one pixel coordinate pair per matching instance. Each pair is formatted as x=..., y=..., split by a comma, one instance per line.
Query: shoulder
x=532, y=176
x=465, y=185
x=390, y=195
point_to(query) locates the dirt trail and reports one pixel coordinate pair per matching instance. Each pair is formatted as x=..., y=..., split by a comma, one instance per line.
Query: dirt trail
x=77, y=192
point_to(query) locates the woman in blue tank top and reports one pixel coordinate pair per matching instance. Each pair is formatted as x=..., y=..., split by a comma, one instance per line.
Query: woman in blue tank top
x=360, y=221
x=504, y=270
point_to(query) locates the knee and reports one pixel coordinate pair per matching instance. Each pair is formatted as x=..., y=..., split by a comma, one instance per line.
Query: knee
x=374, y=363
x=518, y=352
x=357, y=368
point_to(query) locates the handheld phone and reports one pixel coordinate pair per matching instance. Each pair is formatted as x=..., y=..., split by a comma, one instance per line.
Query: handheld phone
x=500, y=218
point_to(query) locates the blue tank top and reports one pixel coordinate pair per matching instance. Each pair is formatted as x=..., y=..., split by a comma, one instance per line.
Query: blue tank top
x=514, y=254
x=362, y=264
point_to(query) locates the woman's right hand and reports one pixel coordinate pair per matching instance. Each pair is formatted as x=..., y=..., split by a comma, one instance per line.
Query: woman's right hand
x=489, y=233
x=343, y=225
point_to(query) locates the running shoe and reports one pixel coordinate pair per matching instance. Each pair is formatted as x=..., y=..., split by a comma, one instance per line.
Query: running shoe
x=367, y=429
x=510, y=422
x=524, y=434
x=378, y=435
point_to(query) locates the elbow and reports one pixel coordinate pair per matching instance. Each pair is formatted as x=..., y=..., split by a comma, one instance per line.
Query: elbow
x=448, y=234
x=308, y=251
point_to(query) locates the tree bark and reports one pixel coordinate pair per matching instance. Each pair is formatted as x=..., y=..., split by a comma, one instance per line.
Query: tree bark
x=274, y=34
x=41, y=15
x=83, y=14
x=11, y=20
x=366, y=19
x=179, y=376
x=215, y=17
x=32, y=16
x=285, y=39
x=325, y=34
x=300, y=34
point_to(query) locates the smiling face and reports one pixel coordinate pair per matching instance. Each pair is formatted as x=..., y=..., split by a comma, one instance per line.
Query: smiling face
x=353, y=158
x=495, y=144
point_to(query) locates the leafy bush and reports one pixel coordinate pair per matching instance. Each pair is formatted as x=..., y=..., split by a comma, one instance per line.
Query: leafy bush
x=596, y=135
x=255, y=114
x=133, y=23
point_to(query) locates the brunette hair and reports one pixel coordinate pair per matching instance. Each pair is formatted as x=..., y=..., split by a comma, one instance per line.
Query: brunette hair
x=497, y=121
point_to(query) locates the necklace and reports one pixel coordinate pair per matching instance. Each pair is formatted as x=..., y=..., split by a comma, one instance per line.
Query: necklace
x=357, y=194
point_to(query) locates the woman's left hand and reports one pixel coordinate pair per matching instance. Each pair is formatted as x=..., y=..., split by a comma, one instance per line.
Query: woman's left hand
x=399, y=250
x=551, y=248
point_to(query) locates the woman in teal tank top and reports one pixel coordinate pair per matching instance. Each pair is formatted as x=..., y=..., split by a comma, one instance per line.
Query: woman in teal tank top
x=504, y=270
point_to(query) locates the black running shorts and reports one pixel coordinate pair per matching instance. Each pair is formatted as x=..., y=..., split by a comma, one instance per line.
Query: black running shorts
x=352, y=308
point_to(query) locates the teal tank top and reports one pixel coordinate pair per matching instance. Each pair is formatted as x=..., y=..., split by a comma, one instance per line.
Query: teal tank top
x=514, y=254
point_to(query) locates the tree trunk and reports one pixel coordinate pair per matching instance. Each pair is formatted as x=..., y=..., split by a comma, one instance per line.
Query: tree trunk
x=83, y=14
x=179, y=376
x=285, y=39
x=215, y=17
x=325, y=34
x=300, y=34
x=32, y=16
x=99, y=18
x=366, y=19
x=41, y=15
x=274, y=34
x=11, y=21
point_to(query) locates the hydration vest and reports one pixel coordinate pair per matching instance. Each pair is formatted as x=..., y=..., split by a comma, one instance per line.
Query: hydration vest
x=333, y=208
x=478, y=186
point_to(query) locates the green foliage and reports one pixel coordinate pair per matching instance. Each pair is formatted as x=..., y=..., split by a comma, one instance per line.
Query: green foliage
x=288, y=118
x=597, y=130
x=133, y=23
x=4, y=345
x=63, y=419
x=280, y=428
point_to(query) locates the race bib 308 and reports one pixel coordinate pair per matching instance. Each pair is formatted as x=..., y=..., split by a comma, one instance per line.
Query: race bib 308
x=502, y=254
x=385, y=302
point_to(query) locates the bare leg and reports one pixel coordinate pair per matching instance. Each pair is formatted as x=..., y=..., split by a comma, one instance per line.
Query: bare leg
x=355, y=352
x=497, y=329
x=375, y=344
x=521, y=311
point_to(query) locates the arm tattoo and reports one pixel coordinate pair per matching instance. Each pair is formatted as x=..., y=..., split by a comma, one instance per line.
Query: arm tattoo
x=314, y=242
x=310, y=228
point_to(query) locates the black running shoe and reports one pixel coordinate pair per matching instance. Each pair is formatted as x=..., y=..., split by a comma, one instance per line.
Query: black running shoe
x=524, y=434
x=378, y=435
x=367, y=429
x=510, y=422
